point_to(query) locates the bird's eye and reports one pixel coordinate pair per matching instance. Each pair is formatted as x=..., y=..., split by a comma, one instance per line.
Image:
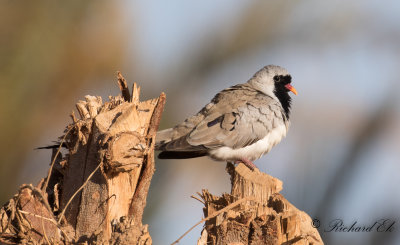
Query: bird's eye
x=277, y=78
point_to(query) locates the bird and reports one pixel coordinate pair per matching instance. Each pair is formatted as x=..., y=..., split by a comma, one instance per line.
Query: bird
x=240, y=124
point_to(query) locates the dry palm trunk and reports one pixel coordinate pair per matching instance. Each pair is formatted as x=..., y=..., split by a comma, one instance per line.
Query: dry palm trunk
x=254, y=213
x=95, y=193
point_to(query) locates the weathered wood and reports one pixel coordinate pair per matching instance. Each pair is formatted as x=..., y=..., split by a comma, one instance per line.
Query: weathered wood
x=268, y=218
x=97, y=192
x=123, y=86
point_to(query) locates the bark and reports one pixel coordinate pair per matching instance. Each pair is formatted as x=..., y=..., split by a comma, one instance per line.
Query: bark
x=260, y=216
x=96, y=192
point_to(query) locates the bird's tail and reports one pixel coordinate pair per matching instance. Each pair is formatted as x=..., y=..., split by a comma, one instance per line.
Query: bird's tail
x=162, y=138
x=176, y=148
x=181, y=154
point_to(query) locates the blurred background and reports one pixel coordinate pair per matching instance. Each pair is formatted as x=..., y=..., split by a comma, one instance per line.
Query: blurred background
x=340, y=159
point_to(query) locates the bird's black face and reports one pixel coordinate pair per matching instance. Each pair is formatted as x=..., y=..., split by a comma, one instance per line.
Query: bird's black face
x=282, y=83
x=282, y=87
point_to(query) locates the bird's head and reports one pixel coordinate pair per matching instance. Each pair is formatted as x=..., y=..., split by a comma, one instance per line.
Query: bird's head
x=274, y=81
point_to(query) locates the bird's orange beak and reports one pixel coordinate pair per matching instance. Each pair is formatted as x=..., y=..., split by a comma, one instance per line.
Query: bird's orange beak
x=291, y=88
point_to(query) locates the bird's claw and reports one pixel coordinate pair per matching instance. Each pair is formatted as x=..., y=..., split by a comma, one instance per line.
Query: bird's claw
x=248, y=163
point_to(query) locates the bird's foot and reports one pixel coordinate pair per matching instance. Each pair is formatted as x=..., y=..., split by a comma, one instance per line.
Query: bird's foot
x=247, y=162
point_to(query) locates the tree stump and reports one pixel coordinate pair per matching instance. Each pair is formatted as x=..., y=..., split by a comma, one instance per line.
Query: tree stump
x=260, y=216
x=96, y=193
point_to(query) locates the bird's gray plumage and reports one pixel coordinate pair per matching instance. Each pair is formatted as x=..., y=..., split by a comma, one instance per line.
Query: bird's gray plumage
x=236, y=117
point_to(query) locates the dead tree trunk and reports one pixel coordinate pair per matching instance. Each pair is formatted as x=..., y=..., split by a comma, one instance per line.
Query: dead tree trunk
x=254, y=213
x=96, y=193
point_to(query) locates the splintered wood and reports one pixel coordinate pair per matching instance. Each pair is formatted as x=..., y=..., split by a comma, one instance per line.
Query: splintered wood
x=97, y=191
x=266, y=217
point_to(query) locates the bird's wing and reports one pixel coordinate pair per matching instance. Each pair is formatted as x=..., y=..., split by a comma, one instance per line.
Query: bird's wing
x=182, y=129
x=174, y=139
x=240, y=121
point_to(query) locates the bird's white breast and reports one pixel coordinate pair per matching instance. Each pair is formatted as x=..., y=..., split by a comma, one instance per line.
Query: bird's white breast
x=253, y=151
